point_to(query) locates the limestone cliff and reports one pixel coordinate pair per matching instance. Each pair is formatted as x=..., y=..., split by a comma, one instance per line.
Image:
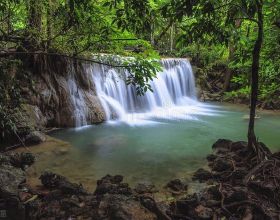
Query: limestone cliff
x=62, y=93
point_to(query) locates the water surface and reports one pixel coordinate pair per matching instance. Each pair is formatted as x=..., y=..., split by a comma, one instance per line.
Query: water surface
x=155, y=151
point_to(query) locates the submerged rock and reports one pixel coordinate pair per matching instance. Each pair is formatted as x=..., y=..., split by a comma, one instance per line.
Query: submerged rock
x=143, y=188
x=34, y=138
x=177, y=186
x=55, y=181
x=113, y=185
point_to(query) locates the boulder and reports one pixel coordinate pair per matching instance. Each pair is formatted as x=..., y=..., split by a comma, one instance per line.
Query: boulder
x=211, y=157
x=112, y=185
x=222, y=144
x=221, y=164
x=10, y=179
x=177, y=185
x=121, y=207
x=202, y=175
x=57, y=182
x=143, y=188
x=34, y=138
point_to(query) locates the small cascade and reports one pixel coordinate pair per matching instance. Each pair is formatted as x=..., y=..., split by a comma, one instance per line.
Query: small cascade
x=173, y=96
x=77, y=99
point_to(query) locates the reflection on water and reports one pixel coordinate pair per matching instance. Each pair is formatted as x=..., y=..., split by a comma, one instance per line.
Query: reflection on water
x=153, y=152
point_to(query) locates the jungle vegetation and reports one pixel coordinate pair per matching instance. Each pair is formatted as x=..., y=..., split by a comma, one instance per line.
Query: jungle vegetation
x=243, y=36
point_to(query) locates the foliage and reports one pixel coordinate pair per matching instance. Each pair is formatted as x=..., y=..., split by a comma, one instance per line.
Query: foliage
x=142, y=71
x=10, y=98
x=242, y=94
x=136, y=71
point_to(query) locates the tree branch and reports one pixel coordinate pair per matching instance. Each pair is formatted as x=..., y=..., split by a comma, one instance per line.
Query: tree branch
x=9, y=53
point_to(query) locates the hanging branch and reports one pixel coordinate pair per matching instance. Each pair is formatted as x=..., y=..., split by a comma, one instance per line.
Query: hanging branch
x=8, y=53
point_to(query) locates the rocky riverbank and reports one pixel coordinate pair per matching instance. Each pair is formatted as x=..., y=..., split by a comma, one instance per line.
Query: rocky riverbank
x=238, y=186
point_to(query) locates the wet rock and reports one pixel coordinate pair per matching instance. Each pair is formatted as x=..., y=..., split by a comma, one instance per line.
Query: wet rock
x=143, y=188
x=202, y=175
x=222, y=146
x=112, y=185
x=177, y=185
x=151, y=205
x=55, y=181
x=10, y=179
x=34, y=138
x=221, y=164
x=111, y=179
x=121, y=207
x=211, y=157
x=186, y=206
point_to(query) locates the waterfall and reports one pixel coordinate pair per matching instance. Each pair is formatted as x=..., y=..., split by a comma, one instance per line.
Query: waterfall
x=107, y=96
x=173, y=96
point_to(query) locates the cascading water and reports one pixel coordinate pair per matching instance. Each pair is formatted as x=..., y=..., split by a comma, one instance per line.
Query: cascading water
x=173, y=96
x=77, y=99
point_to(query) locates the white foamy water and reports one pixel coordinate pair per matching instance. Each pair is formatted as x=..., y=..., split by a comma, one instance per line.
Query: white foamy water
x=173, y=96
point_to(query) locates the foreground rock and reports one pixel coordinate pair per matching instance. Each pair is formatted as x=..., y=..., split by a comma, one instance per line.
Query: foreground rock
x=112, y=199
x=12, y=178
x=177, y=187
x=246, y=185
x=241, y=185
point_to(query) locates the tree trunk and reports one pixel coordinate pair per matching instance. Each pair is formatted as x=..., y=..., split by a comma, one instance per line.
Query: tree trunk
x=252, y=141
x=35, y=15
x=171, y=37
x=9, y=23
x=34, y=23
